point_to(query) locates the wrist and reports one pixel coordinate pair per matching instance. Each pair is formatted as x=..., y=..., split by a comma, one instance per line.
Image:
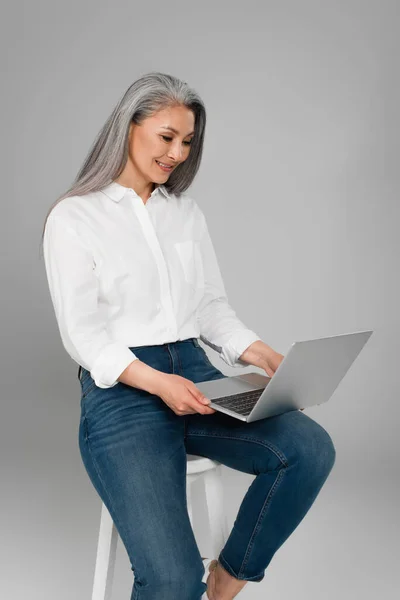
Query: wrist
x=156, y=382
x=140, y=375
x=258, y=351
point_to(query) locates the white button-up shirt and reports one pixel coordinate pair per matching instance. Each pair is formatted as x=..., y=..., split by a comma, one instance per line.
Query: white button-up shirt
x=125, y=273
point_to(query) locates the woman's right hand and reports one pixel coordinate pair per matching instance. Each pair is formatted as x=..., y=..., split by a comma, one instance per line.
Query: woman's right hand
x=182, y=395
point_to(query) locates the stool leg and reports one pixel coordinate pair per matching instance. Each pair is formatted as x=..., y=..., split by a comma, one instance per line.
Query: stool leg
x=105, y=560
x=213, y=489
x=189, y=481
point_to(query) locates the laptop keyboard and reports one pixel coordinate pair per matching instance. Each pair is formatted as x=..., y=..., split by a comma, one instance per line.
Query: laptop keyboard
x=242, y=403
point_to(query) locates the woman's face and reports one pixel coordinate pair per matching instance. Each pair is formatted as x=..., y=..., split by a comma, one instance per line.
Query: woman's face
x=152, y=141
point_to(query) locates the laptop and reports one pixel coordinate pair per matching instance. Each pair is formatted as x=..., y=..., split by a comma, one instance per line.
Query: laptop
x=308, y=375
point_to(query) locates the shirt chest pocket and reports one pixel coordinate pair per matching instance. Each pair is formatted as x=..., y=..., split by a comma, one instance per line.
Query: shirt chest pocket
x=190, y=260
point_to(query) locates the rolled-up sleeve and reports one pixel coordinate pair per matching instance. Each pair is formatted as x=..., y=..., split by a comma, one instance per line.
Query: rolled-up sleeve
x=219, y=326
x=73, y=287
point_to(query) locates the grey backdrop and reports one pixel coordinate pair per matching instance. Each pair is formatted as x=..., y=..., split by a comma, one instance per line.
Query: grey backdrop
x=300, y=185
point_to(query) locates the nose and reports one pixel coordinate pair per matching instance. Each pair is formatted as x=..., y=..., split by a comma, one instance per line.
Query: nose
x=175, y=152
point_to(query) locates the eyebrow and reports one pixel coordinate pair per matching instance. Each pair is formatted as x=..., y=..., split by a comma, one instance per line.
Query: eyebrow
x=174, y=130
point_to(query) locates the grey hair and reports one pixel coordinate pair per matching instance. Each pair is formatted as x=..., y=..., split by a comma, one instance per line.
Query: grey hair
x=109, y=152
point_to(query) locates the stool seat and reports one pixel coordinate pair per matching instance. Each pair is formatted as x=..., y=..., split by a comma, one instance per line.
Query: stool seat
x=197, y=466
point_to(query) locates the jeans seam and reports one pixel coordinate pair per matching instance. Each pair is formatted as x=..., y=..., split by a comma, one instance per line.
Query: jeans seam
x=171, y=360
x=278, y=478
x=90, y=388
x=95, y=466
x=179, y=364
x=228, y=568
x=263, y=510
x=277, y=452
x=222, y=558
x=204, y=353
x=83, y=379
x=85, y=427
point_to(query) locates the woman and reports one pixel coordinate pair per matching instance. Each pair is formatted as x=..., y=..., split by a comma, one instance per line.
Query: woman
x=134, y=282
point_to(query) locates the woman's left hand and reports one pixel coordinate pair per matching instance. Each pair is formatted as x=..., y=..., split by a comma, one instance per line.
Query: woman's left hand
x=261, y=355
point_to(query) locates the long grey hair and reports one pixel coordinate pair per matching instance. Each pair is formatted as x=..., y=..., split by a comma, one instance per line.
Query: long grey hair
x=108, y=155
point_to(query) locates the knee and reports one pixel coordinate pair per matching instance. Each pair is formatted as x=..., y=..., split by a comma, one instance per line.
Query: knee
x=303, y=444
x=315, y=448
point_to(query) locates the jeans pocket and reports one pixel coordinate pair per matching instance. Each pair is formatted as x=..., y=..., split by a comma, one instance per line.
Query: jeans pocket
x=203, y=353
x=87, y=383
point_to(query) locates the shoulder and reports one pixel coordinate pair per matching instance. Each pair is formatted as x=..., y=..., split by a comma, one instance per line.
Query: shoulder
x=189, y=204
x=72, y=211
x=65, y=209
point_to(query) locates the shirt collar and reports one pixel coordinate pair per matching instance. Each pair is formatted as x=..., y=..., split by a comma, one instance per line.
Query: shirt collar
x=116, y=191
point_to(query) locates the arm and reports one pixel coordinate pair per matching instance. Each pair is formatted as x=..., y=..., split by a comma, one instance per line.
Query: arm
x=74, y=292
x=219, y=326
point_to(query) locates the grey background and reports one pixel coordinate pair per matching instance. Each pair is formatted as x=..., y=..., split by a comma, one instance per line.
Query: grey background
x=300, y=185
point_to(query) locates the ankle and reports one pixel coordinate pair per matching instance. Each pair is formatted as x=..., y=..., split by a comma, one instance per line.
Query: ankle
x=226, y=586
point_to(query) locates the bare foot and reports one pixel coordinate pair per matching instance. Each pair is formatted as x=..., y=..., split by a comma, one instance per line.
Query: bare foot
x=211, y=580
x=220, y=584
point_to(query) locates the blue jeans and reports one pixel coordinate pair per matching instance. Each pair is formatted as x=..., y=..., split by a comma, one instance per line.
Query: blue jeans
x=134, y=447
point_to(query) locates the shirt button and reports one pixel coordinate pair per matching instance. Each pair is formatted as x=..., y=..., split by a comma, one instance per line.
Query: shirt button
x=158, y=305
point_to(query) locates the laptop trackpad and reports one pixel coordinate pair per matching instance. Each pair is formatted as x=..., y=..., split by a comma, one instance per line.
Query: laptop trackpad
x=217, y=388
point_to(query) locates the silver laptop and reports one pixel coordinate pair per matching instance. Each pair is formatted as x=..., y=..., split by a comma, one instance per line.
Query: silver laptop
x=308, y=375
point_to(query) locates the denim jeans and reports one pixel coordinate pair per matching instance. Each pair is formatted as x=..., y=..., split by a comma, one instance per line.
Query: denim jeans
x=134, y=447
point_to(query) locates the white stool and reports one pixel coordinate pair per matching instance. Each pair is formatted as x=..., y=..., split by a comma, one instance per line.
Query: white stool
x=197, y=466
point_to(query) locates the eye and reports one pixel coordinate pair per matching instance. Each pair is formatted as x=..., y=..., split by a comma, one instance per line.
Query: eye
x=168, y=139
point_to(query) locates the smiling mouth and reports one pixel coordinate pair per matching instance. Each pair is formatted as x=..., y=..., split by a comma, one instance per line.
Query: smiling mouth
x=164, y=167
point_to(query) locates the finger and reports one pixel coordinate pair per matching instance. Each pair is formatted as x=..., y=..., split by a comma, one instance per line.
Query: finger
x=197, y=406
x=206, y=410
x=200, y=397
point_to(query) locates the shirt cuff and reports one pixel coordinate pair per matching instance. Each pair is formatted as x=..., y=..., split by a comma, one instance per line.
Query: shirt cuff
x=110, y=364
x=236, y=345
